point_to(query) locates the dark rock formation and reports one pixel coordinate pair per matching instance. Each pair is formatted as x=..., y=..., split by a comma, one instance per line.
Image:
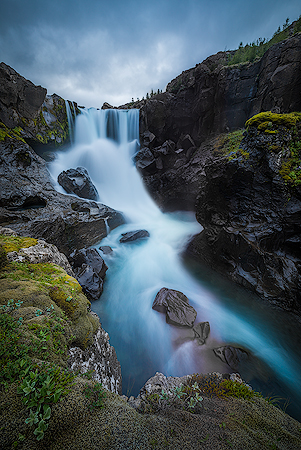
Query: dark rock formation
x=106, y=249
x=133, y=236
x=251, y=218
x=77, y=181
x=90, y=270
x=18, y=97
x=201, y=332
x=30, y=204
x=206, y=100
x=176, y=307
x=39, y=118
x=232, y=356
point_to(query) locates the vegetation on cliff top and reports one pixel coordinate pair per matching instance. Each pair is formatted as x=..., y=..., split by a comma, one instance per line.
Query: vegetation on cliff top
x=256, y=50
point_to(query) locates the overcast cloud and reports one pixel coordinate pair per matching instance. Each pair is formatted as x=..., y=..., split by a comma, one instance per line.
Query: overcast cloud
x=92, y=51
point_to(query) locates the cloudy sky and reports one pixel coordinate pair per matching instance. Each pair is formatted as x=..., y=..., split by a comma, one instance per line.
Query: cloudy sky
x=92, y=51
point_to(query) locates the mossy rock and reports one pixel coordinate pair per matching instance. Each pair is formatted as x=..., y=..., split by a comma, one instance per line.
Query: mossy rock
x=15, y=243
x=265, y=120
x=3, y=257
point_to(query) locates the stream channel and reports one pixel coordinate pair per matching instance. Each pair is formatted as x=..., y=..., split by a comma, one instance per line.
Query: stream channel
x=104, y=142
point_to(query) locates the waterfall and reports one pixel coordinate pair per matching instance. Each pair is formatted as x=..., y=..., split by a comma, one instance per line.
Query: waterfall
x=105, y=142
x=71, y=116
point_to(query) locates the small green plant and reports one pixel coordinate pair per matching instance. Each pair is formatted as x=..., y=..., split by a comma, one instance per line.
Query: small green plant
x=39, y=389
x=96, y=395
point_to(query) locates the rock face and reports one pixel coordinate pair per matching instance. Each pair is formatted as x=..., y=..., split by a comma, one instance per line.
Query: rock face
x=77, y=181
x=90, y=270
x=251, y=217
x=209, y=99
x=176, y=307
x=18, y=97
x=31, y=206
x=101, y=359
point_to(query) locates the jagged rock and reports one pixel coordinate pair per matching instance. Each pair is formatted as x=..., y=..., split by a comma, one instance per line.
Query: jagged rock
x=42, y=252
x=176, y=307
x=101, y=359
x=206, y=100
x=133, y=236
x=77, y=181
x=232, y=356
x=90, y=270
x=201, y=332
x=91, y=257
x=90, y=281
x=18, y=97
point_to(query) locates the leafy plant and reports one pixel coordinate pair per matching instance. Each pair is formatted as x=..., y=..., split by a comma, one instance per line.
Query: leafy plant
x=96, y=395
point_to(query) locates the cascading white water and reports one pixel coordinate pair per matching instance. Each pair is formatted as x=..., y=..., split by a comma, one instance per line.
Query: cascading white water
x=105, y=142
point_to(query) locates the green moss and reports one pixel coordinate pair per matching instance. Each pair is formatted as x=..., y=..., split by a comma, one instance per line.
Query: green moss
x=64, y=301
x=3, y=258
x=263, y=120
x=15, y=243
x=14, y=133
x=229, y=145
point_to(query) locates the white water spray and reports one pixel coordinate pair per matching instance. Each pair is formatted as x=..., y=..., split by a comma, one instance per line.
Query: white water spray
x=105, y=142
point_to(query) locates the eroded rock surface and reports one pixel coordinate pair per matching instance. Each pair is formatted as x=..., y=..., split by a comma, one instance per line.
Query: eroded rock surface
x=77, y=181
x=132, y=236
x=101, y=359
x=176, y=307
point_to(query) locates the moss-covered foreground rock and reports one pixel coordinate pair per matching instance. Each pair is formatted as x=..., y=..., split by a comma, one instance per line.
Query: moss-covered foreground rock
x=42, y=405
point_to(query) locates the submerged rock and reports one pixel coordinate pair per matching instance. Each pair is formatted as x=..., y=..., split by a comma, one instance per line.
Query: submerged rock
x=232, y=356
x=133, y=236
x=77, y=181
x=201, y=332
x=176, y=307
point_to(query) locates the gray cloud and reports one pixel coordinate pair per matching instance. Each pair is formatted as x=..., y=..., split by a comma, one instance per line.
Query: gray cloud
x=94, y=51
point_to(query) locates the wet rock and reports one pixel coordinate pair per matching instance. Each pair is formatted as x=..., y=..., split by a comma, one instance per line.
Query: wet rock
x=101, y=359
x=176, y=307
x=133, y=236
x=90, y=270
x=91, y=257
x=90, y=281
x=77, y=181
x=106, y=249
x=201, y=332
x=232, y=356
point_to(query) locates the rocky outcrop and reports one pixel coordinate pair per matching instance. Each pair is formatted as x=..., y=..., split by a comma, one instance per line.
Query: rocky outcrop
x=250, y=207
x=34, y=116
x=30, y=204
x=206, y=100
x=176, y=307
x=77, y=181
x=100, y=360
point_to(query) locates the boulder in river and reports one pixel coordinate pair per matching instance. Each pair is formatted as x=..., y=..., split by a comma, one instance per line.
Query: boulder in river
x=176, y=307
x=133, y=236
x=232, y=356
x=77, y=181
x=201, y=332
x=90, y=270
